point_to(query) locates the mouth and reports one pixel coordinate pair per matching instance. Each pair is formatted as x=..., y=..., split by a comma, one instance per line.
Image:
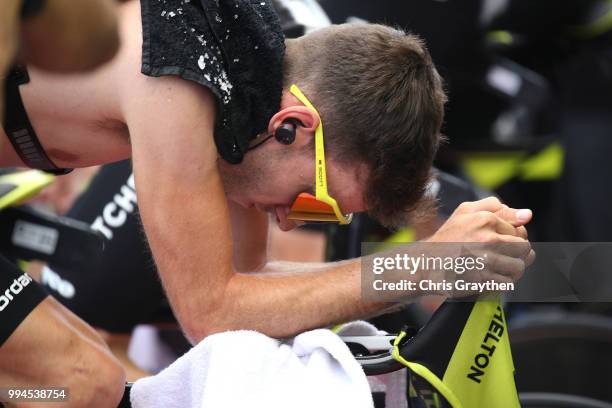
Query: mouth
x=280, y=212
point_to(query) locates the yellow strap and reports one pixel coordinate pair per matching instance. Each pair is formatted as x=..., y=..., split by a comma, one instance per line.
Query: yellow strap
x=497, y=388
x=321, y=192
x=337, y=327
x=321, y=175
x=424, y=372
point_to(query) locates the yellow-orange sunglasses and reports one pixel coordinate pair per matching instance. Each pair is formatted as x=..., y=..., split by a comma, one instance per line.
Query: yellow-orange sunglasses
x=321, y=207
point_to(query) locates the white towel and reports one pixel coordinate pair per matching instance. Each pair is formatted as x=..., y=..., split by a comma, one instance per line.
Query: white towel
x=247, y=369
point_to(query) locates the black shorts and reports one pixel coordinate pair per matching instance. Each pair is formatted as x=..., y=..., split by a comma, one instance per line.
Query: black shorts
x=119, y=288
x=19, y=295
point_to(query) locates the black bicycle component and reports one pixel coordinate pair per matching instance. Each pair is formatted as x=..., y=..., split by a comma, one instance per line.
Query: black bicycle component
x=433, y=345
x=28, y=234
x=125, y=401
x=551, y=400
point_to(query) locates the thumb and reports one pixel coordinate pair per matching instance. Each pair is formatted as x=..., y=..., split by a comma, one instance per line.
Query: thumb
x=515, y=217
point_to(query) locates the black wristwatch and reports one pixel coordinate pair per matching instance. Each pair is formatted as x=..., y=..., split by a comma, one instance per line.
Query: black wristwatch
x=30, y=8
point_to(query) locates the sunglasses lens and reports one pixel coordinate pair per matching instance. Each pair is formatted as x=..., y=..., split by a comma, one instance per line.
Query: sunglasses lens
x=307, y=208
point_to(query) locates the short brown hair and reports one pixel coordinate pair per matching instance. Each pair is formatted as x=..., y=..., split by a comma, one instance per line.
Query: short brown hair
x=381, y=101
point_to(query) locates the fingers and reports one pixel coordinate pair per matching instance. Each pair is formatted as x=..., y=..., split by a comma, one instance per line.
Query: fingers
x=506, y=265
x=522, y=232
x=530, y=258
x=491, y=204
x=496, y=223
x=515, y=217
x=508, y=259
x=495, y=232
x=513, y=246
x=499, y=225
x=504, y=246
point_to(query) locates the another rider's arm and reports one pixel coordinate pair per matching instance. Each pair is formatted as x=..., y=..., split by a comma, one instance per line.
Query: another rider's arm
x=54, y=348
x=68, y=35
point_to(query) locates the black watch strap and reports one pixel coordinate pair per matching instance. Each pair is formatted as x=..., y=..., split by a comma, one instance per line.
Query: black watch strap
x=19, y=129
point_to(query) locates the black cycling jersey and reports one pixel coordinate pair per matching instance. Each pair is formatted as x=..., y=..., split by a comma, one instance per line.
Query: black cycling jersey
x=19, y=295
x=119, y=288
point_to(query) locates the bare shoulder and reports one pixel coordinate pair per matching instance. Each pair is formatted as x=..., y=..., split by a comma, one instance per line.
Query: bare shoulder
x=184, y=103
x=170, y=119
x=94, y=117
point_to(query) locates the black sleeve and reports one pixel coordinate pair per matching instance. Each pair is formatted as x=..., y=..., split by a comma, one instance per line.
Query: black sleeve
x=119, y=288
x=18, y=297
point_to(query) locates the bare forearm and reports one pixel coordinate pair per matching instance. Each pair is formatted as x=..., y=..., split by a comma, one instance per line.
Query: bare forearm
x=287, y=298
x=49, y=350
x=284, y=268
x=281, y=299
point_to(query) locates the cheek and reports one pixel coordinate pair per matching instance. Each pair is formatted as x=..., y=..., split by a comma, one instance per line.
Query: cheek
x=275, y=192
x=352, y=199
x=280, y=183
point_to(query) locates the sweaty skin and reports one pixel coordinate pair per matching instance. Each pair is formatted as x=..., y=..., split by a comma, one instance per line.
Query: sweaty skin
x=167, y=125
x=63, y=36
x=52, y=345
x=52, y=348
